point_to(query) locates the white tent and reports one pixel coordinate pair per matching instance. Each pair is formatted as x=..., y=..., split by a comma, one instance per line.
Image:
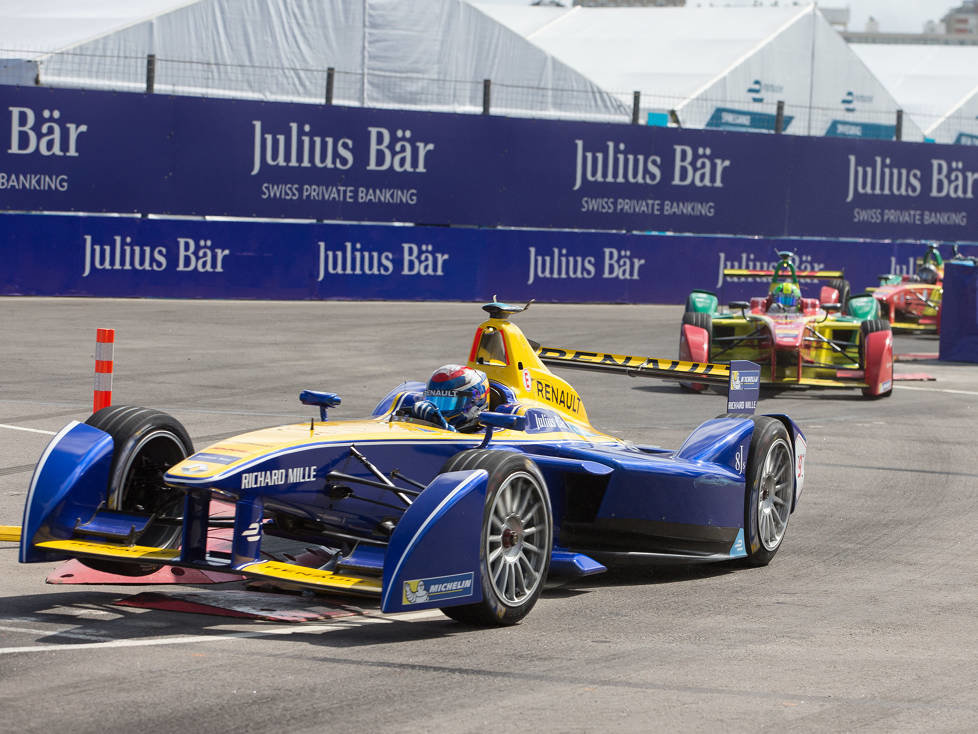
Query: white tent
x=937, y=85
x=430, y=54
x=718, y=66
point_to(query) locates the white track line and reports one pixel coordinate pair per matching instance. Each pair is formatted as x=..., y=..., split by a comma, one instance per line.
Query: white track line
x=31, y=430
x=938, y=389
x=49, y=633
x=295, y=629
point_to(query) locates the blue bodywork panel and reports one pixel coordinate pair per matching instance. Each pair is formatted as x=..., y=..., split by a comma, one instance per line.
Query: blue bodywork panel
x=69, y=484
x=433, y=556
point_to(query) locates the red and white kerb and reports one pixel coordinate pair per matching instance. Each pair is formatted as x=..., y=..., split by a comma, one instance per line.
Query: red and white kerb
x=104, y=343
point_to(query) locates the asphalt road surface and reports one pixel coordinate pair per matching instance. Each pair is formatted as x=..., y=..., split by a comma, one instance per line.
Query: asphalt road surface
x=863, y=622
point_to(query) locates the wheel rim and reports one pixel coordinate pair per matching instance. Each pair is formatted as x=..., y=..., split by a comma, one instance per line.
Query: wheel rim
x=518, y=539
x=142, y=488
x=774, y=494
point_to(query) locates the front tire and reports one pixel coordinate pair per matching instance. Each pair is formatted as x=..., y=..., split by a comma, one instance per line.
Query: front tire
x=146, y=444
x=515, y=541
x=770, y=490
x=695, y=335
x=874, y=363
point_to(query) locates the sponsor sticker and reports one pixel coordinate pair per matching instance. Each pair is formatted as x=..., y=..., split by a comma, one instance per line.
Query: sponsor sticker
x=216, y=458
x=539, y=421
x=801, y=448
x=745, y=384
x=438, y=588
x=195, y=469
x=739, y=548
x=740, y=460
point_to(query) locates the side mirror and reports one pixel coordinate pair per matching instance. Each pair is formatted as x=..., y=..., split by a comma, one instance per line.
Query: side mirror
x=322, y=399
x=491, y=420
x=503, y=420
x=830, y=307
x=739, y=305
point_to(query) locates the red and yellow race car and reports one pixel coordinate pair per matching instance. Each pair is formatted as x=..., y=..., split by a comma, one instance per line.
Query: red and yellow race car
x=830, y=341
x=913, y=302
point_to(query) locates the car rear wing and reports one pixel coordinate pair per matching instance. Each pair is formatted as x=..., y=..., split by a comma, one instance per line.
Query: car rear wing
x=800, y=274
x=741, y=377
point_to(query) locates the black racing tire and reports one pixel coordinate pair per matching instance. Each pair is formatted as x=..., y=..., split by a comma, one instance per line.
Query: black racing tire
x=842, y=286
x=700, y=319
x=769, y=490
x=517, y=510
x=146, y=444
x=866, y=328
x=703, y=321
x=870, y=325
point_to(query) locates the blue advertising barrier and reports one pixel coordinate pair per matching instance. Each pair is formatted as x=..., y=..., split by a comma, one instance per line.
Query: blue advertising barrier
x=959, y=313
x=93, y=151
x=61, y=255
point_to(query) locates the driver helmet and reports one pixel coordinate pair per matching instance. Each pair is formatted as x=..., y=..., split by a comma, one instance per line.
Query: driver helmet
x=786, y=294
x=460, y=393
x=927, y=274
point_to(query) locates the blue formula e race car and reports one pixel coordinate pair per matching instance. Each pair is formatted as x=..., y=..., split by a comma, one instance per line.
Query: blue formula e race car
x=404, y=507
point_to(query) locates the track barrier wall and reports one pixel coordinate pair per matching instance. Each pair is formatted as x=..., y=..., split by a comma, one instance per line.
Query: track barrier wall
x=555, y=210
x=959, y=313
x=91, y=151
x=169, y=258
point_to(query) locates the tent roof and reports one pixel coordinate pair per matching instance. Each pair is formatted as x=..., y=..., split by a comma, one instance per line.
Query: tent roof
x=929, y=81
x=33, y=28
x=674, y=51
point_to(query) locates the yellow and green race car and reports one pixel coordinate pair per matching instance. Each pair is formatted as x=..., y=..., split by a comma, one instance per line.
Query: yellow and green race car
x=799, y=342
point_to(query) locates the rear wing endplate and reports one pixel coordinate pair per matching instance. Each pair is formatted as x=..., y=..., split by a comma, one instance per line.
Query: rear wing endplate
x=742, y=378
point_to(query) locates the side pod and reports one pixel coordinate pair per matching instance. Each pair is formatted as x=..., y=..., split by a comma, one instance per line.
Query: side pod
x=69, y=483
x=432, y=559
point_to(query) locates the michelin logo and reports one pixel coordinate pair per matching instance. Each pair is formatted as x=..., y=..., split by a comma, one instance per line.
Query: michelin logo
x=439, y=588
x=741, y=380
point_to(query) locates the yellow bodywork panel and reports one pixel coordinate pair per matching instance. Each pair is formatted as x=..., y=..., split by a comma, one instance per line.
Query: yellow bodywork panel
x=802, y=274
x=106, y=550
x=10, y=533
x=313, y=577
x=638, y=366
x=912, y=326
x=501, y=350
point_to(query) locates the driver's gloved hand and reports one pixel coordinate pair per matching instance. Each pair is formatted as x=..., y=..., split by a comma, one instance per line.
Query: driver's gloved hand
x=425, y=410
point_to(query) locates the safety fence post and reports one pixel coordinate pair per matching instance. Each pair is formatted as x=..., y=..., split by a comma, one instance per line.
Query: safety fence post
x=150, y=73
x=486, y=95
x=330, y=76
x=104, y=345
x=898, y=132
x=636, y=103
x=779, y=118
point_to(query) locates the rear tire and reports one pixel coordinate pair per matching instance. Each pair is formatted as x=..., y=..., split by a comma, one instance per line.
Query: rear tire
x=515, y=541
x=146, y=444
x=770, y=490
x=842, y=286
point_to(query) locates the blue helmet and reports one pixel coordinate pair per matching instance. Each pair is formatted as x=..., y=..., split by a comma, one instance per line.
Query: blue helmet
x=460, y=393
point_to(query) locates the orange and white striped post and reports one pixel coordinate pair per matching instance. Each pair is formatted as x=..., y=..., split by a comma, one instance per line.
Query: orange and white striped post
x=104, y=344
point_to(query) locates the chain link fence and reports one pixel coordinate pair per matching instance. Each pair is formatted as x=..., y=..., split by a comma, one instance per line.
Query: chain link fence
x=468, y=96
